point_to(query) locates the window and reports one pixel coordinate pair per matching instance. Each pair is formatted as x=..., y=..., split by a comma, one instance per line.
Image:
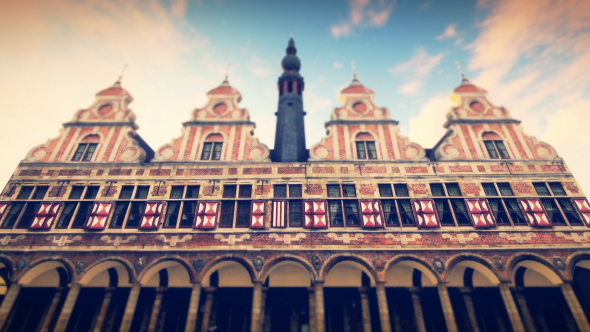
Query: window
x=499, y=212
x=385, y=190
x=569, y=211
x=178, y=211
x=557, y=188
x=333, y=190
x=67, y=214
x=553, y=212
x=243, y=215
x=15, y=210
x=348, y=190
x=126, y=192
x=192, y=192
x=119, y=214
x=352, y=213
x=453, y=189
x=505, y=189
x=130, y=211
x=92, y=191
x=227, y=214
x=84, y=152
x=84, y=209
x=444, y=212
x=401, y=190
x=211, y=151
x=406, y=213
x=245, y=191
x=496, y=149
x=229, y=191
x=295, y=190
x=188, y=214
x=280, y=190
x=76, y=192
x=135, y=212
x=76, y=214
x=295, y=213
x=366, y=150
x=460, y=212
x=336, y=218
x=40, y=192
x=541, y=189
x=141, y=192
x=514, y=211
x=390, y=212
x=489, y=189
x=27, y=218
x=25, y=192
x=437, y=190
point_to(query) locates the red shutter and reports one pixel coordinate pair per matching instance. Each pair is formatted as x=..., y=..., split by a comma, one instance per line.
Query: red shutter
x=278, y=214
x=308, y=214
x=207, y=214
x=257, y=214
x=99, y=215
x=3, y=208
x=371, y=214
x=480, y=212
x=45, y=216
x=581, y=205
x=425, y=213
x=315, y=214
x=535, y=212
x=152, y=215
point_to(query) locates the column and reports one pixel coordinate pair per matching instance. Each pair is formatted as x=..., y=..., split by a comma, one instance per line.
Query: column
x=108, y=295
x=130, y=308
x=466, y=291
x=294, y=319
x=365, y=308
x=311, y=293
x=193, y=309
x=383, y=309
x=208, y=306
x=256, y=307
x=575, y=307
x=156, y=309
x=447, y=307
x=511, y=308
x=263, y=308
x=320, y=322
x=68, y=307
x=51, y=310
x=418, y=314
x=524, y=310
x=8, y=302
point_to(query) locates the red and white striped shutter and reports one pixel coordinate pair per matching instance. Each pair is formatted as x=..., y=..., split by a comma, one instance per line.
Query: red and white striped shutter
x=320, y=219
x=425, y=212
x=3, y=208
x=45, y=216
x=278, y=214
x=152, y=215
x=308, y=214
x=99, y=215
x=207, y=214
x=535, y=212
x=367, y=214
x=476, y=213
x=581, y=205
x=487, y=212
x=257, y=214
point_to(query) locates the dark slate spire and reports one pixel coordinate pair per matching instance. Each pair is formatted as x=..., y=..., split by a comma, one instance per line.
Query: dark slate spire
x=290, y=134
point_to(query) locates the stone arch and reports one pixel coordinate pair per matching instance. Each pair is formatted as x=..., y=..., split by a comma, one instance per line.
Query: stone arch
x=91, y=138
x=362, y=264
x=6, y=262
x=485, y=273
x=175, y=267
x=214, y=137
x=49, y=267
x=99, y=270
x=541, y=271
x=411, y=262
x=490, y=135
x=282, y=261
x=223, y=262
x=573, y=260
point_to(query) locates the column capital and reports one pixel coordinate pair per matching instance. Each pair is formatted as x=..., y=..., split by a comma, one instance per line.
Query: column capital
x=319, y=282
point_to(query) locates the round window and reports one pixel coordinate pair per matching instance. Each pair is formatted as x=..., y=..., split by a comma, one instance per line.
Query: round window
x=477, y=107
x=105, y=109
x=359, y=107
x=220, y=108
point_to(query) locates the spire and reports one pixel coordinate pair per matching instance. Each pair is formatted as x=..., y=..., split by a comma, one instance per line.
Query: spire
x=291, y=61
x=355, y=81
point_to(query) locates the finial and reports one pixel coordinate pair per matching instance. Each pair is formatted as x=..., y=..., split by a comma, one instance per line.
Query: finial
x=460, y=70
x=227, y=71
x=122, y=72
x=353, y=66
x=291, y=35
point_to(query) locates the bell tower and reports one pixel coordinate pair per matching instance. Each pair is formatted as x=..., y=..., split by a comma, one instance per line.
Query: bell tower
x=290, y=134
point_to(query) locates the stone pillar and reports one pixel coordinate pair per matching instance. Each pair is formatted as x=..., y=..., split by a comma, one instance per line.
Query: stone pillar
x=130, y=308
x=312, y=317
x=255, y=323
x=51, y=310
x=575, y=307
x=418, y=314
x=156, y=309
x=294, y=319
x=447, y=307
x=193, y=308
x=466, y=291
x=68, y=307
x=320, y=321
x=524, y=310
x=208, y=307
x=383, y=309
x=365, y=308
x=8, y=302
x=263, y=308
x=511, y=308
x=102, y=313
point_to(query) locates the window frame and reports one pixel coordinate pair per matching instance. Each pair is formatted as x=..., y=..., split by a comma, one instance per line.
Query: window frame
x=84, y=153
x=183, y=201
x=366, y=149
x=497, y=150
x=213, y=144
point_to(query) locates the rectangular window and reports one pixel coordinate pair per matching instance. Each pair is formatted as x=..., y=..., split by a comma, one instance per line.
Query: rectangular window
x=360, y=150
x=126, y=192
x=437, y=190
x=27, y=217
x=385, y=190
x=496, y=150
x=333, y=190
x=229, y=191
x=406, y=213
x=557, y=188
x=453, y=189
x=209, y=147
x=92, y=191
x=491, y=149
x=89, y=152
x=76, y=192
x=295, y=213
x=135, y=214
x=243, y=217
x=172, y=212
x=444, y=212
x=177, y=192
x=502, y=150
x=541, y=189
x=66, y=215
x=570, y=212
x=192, y=191
x=460, y=212
x=280, y=190
x=13, y=213
x=335, y=213
x=295, y=190
x=206, y=154
x=40, y=192
x=217, y=151
x=245, y=191
x=489, y=189
x=25, y=192
x=119, y=214
x=79, y=152
x=84, y=152
x=553, y=211
x=366, y=149
x=514, y=211
x=227, y=214
x=188, y=214
x=390, y=212
x=401, y=190
x=372, y=150
x=84, y=210
x=142, y=192
x=349, y=190
x=352, y=213
x=505, y=189
x=499, y=212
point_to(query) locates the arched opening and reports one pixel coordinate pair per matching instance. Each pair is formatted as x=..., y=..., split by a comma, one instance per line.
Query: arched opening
x=212, y=147
x=365, y=146
x=581, y=275
x=494, y=145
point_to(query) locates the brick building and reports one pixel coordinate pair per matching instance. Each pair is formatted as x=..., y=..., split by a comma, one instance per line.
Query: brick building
x=365, y=231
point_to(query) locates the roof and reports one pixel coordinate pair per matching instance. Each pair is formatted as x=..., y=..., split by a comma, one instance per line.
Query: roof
x=467, y=87
x=356, y=87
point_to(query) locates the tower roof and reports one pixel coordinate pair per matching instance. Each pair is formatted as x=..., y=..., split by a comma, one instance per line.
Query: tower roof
x=291, y=61
x=225, y=89
x=467, y=87
x=356, y=87
x=114, y=90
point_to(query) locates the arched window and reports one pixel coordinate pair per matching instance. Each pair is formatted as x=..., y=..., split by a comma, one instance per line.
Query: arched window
x=365, y=146
x=212, y=147
x=495, y=146
x=86, y=148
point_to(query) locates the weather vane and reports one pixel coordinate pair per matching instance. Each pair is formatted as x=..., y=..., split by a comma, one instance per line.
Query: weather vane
x=227, y=71
x=353, y=66
x=460, y=70
x=122, y=72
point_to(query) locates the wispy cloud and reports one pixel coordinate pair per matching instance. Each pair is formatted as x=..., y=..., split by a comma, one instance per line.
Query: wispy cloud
x=260, y=68
x=337, y=65
x=449, y=32
x=364, y=13
x=415, y=70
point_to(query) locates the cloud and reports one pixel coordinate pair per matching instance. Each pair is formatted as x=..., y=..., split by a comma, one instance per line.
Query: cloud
x=259, y=67
x=449, y=32
x=316, y=103
x=337, y=65
x=410, y=88
x=426, y=128
x=364, y=13
x=420, y=64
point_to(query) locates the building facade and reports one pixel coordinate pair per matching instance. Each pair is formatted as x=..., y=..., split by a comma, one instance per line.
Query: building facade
x=365, y=231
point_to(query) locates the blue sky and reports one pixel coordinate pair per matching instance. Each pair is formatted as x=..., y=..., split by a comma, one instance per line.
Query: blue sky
x=530, y=55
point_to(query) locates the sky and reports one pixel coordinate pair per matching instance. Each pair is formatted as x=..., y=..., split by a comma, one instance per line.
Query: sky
x=533, y=56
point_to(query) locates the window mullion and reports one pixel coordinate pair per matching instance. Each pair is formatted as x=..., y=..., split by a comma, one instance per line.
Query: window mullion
x=399, y=217
x=124, y=224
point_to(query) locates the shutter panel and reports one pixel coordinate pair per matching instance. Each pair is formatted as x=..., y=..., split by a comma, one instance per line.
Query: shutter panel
x=487, y=212
x=480, y=212
x=207, y=214
x=581, y=205
x=425, y=212
x=3, y=208
x=308, y=214
x=278, y=214
x=99, y=215
x=152, y=215
x=315, y=214
x=257, y=214
x=45, y=216
x=371, y=214
x=535, y=212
